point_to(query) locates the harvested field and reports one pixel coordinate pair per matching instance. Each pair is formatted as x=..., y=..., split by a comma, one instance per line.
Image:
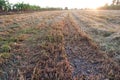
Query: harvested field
x=60, y=45
x=103, y=27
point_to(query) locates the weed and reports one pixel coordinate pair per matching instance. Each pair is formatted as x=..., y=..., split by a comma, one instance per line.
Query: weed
x=22, y=37
x=1, y=29
x=12, y=39
x=5, y=55
x=5, y=48
x=1, y=39
x=106, y=34
x=29, y=31
x=54, y=38
x=12, y=26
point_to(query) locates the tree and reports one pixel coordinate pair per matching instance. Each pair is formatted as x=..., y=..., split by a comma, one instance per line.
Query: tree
x=118, y=2
x=114, y=6
x=2, y=4
x=66, y=8
x=113, y=2
x=7, y=6
x=16, y=6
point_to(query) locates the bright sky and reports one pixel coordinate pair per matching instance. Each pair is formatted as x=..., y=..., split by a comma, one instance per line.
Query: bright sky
x=65, y=3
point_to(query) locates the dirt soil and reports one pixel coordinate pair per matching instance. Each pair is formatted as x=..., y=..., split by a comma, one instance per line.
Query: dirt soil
x=60, y=45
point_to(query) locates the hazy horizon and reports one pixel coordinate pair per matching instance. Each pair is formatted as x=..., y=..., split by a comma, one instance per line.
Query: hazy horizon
x=65, y=3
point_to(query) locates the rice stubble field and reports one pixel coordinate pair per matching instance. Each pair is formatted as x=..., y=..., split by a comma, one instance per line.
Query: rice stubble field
x=60, y=45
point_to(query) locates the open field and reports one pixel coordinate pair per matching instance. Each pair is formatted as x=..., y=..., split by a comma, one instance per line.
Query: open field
x=60, y=45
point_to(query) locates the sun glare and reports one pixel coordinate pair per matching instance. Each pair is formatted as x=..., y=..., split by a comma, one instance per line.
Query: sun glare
x=93, y=4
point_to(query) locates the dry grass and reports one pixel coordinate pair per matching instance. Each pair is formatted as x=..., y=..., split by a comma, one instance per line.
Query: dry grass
x=34, y=47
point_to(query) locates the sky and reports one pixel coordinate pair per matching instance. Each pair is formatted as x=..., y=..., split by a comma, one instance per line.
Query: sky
x=66, y=3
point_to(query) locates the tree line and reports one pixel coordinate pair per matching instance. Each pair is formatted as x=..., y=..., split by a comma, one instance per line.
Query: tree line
x=5, y=6
x=114, y=6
